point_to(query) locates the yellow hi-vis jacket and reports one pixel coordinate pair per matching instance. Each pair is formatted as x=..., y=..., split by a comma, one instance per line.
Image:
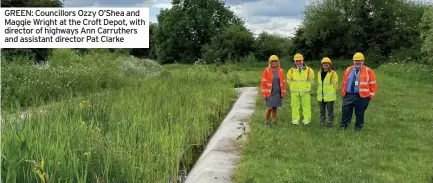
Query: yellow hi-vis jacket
x=300, y=82
x=326, y=90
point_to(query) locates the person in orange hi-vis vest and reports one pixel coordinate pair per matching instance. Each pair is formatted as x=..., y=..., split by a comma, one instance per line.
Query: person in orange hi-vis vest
x=358, y=88
x=273, y=89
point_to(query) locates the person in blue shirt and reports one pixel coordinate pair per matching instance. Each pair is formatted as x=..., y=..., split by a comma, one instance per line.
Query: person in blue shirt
x=359, y=87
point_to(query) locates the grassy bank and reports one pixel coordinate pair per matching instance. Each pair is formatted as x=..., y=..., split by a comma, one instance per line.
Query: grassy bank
x=411, y=72
x=67, y=75
x=135, y=134
x=395, y=145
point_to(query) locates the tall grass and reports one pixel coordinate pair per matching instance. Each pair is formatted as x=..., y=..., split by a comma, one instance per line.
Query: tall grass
x=408, y=71
x=137, y=134
x=67, y=74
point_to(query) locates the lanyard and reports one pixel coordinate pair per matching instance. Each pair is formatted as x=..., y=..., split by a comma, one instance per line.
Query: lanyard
x=357, y=73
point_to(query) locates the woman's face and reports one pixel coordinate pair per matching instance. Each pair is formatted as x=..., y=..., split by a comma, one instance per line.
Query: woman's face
x=274, y=63
x=325, y=65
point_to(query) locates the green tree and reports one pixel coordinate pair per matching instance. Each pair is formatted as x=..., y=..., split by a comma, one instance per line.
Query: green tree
x=268, y=44
x=234, y=43
x=190, y=24
x=426, y=36
x=36, y=55
x=147, y=52
x=32, y=3
x=338, y=28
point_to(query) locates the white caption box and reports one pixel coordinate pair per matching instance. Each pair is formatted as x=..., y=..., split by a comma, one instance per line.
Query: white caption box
x=74, y=27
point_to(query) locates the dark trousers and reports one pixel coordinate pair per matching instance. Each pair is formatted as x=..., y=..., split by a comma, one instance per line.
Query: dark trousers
x=351, y=101
x=326, y=107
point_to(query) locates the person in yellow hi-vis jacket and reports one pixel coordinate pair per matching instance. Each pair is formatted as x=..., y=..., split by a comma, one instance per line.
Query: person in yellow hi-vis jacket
x=300, y=79
x=327, y=83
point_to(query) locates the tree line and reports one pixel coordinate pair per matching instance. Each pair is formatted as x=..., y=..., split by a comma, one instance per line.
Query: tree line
x=207, y=30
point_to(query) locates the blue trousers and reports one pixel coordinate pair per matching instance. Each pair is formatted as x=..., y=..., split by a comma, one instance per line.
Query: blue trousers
x=351, y=101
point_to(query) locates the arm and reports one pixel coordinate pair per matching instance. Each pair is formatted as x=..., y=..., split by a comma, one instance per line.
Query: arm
x=289, y=77
x=372, y=83
x=312, y=77
x=344, y=79
x=312, y=81
x=335, y=80
x=263, y=83
x=284, y=83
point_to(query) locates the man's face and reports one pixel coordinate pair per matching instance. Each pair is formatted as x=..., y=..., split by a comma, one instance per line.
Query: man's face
x=274, y=63
x=325, y=65
x=299, y=63
x=358, y=63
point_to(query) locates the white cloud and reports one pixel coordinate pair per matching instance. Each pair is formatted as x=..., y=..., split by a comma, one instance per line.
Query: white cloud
x=278, y=25
x=276, y=16
x=162, y=5
x=257, y=21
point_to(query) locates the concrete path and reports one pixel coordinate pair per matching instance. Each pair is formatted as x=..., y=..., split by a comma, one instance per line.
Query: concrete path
x=218, y=161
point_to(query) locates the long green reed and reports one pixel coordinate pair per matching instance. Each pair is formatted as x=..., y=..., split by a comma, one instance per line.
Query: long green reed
x=136, y=134
x=67, y=75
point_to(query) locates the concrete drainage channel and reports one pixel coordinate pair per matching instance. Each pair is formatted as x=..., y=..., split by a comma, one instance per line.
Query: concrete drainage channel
x=218, y=160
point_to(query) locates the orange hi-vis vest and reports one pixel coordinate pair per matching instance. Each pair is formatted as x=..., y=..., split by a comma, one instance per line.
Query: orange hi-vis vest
x=367, y=82
x=267, y=78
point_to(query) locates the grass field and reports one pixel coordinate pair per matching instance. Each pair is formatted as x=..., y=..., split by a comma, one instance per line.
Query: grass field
x=395, y=145
x=149, y=123
x=139, y=133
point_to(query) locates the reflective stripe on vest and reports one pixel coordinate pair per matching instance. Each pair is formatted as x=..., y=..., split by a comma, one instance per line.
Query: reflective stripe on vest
x=364, y=84
x=300, y=91
x=267, y=82
x=308, y=76
x=300, y=85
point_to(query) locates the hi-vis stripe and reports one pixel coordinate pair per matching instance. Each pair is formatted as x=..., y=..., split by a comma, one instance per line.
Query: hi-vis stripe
x=368, y=75
x=326, y=84
x=368, y=79
x=365, y=83
x=300, y=91
x=266, y=90
x=301, y=81
x=329, y=94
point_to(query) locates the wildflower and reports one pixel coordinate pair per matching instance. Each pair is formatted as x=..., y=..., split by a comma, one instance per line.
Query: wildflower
x=84, y=104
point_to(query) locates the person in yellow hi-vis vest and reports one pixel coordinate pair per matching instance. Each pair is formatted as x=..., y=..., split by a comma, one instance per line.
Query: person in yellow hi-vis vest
x=300, y=79
x=327, y=83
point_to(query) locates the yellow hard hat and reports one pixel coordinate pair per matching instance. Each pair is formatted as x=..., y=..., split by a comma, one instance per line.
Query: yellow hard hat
x=298, y=57
x=326, y=60
x=273, y=57
x=358, y=56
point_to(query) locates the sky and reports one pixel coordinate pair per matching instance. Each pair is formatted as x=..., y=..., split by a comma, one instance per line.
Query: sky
x=276, y=16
